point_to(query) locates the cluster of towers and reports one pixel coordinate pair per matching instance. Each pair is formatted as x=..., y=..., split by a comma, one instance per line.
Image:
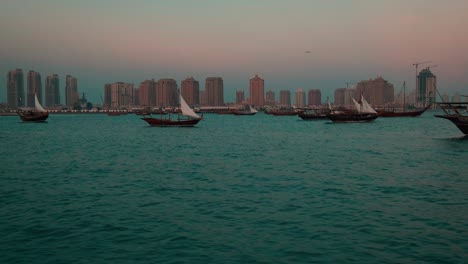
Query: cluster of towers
x=164, y=92
x=16, y=96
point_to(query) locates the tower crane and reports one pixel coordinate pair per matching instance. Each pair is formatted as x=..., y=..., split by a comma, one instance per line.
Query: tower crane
x=427, y=68
x=416, y=64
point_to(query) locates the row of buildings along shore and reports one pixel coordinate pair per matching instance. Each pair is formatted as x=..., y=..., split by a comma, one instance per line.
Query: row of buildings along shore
x=164, y=93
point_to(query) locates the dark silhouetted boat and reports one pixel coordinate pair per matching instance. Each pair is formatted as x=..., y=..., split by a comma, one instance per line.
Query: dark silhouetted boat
x=404, y=111
x=186, y=118
x=363, y=112
x=36, y=114
x=454, y=113
x=248, y=110
x=314, y=114
x=285, y=111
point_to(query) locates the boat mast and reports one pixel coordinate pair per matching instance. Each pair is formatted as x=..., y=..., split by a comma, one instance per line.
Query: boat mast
x=404, y=96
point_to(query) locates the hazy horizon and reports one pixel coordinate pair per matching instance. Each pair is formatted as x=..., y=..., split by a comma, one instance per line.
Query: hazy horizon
x=110, y=41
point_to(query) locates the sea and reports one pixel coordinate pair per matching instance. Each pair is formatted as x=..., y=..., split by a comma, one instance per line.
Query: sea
x=91, y=188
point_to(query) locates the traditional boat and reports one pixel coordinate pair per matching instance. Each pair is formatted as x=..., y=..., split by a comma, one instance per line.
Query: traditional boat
x=314, y=114
x=246, y=111
x=36, y=114
x=404, y=111
x=187, y=117
x=148, y=111
x=363, y=112
x=285, y=111
x=454, y=114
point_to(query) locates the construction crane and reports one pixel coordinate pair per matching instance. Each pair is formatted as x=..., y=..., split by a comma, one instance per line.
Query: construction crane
x=348, y=83
x=416, y=64
x=427, y=68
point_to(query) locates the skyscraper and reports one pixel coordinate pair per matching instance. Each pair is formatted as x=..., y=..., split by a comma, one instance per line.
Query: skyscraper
x=203, y=98
x=15, y=88
x=339, y=97
x=285, y=97
x=426, y=87
x=34, y=86
x=214, y=89
x=107, y=95
x=270, y=98
x=349, y=95
x=300, y=98
x=147, y=93
x=376, y=91
x=315, y=97
x=256, y=89
x=190, y=89
x=119, y=95
x=52, y=91
x=240, y=97
x=71, y=91
x=166, y=93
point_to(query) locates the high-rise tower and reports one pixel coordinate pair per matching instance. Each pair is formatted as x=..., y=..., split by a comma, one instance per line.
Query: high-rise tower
x=147, y=93
x=190, y=89
x=426, y=87
x=71, y=90
x=34, y=87
x=15, y=88
x=257, y=93
x=240, y=97
x=377, y=91
x=270, y=98
x=285, y=97
x=166, y=93
x=300, y=98
x=339, y=97
x=52, y=91
x=214, y=89
x=315, y=97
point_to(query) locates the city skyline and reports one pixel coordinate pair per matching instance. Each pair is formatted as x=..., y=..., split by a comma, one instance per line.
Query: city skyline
x=291, y=45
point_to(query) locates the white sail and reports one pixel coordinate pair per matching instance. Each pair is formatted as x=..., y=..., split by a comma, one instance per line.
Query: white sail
x=252, y=110
x=366, y=108
x=357, y=105
x=186, y=110
x=38, y=105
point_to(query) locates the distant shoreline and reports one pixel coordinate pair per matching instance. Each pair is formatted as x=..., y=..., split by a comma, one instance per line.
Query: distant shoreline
x=59, y=113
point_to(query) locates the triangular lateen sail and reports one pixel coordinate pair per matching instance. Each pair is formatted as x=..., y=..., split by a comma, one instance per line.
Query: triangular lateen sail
x=366, y=108
x=357, y=105
x=252, y=110
x=186, y=110
x=38, y=105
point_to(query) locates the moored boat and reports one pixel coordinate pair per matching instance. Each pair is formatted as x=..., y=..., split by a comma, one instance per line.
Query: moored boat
x=452, y=113
x=187, y=117
x=285, y=111
x=314, y=114
x=249, y=110
x=36, y=114
x=404, y=113
x=363, y=112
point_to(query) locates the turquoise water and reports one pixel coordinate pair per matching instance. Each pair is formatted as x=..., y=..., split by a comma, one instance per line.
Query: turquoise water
x=235, y=189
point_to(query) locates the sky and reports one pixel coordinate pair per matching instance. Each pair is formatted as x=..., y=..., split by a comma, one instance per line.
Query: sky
x=308, y=44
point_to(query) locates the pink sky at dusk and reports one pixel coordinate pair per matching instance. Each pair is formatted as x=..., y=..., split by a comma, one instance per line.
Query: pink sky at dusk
x=349, y=41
